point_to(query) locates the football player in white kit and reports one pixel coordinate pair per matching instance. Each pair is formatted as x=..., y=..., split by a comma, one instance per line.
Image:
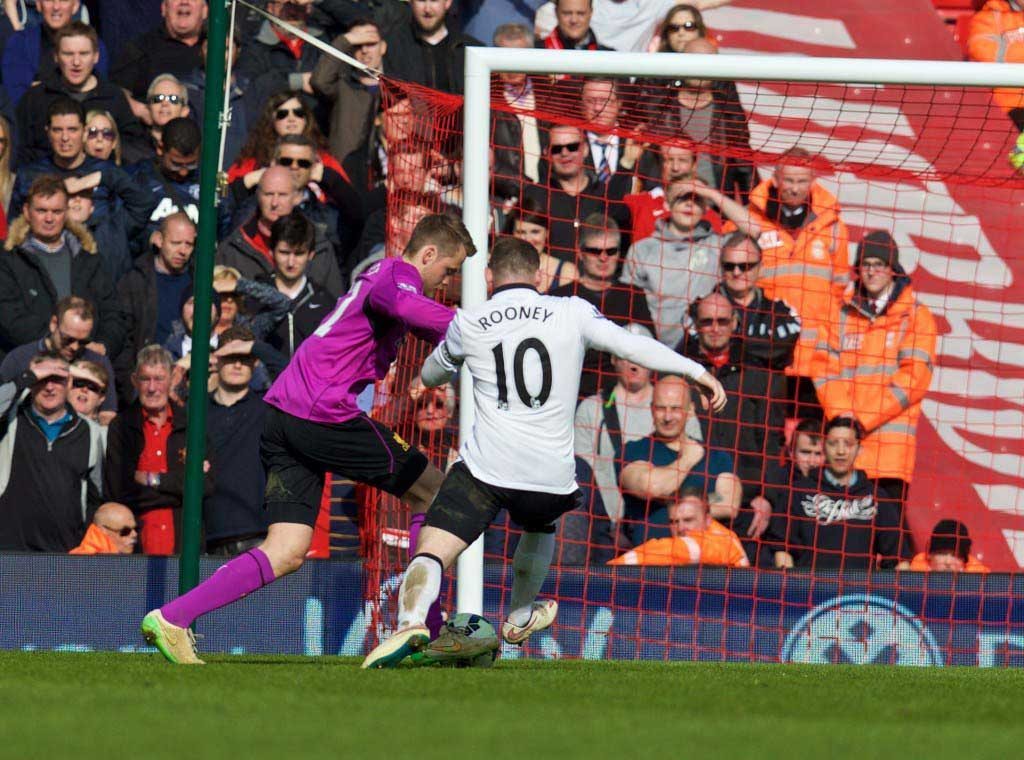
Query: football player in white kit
x=525, y=353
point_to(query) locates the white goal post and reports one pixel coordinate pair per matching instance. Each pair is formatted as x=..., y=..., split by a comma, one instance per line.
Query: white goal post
x=482, y=62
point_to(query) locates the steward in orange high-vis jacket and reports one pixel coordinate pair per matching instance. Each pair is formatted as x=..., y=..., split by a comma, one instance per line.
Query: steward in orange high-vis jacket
x=996, y=34
x=804, y=244
x=696, y=539
x=874, y=360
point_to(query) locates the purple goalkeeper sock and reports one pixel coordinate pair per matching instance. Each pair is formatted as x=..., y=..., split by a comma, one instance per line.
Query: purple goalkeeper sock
x=435, y=622
x=232, y=581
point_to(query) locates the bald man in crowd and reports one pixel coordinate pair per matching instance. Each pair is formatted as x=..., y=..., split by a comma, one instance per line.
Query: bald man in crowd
x=247, y=249
x=113, y=531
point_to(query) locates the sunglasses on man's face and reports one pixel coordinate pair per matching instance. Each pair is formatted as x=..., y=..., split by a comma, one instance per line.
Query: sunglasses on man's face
x=714, y=322
x=739, y=266
x=238, y=359
x=591, y=251
x=302, y=163
x=282, y=113
x=686, y=26
x=67, y=340
x=106, y=134
x=87, y=384
x=174, y=100
x=567, y=148
x=124, y=532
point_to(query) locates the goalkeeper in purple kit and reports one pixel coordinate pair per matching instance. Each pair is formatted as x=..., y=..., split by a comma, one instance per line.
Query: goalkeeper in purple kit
x=314, y=426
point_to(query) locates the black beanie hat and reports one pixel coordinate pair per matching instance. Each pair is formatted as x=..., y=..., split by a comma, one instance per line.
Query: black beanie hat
x=950, y=537
x=878, y=244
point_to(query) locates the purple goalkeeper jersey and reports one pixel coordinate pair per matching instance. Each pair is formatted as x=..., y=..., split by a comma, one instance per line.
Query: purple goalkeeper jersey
x=357, y=342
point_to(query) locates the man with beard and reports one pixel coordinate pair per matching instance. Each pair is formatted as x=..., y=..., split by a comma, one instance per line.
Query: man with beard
x=425, y=51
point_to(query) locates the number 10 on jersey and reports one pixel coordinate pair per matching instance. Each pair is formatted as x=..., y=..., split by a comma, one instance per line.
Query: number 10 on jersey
x=519, y=375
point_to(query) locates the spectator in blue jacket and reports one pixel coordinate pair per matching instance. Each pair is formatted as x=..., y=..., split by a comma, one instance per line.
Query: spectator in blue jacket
x=102, y=196
x=29, y=55
x=76, y=76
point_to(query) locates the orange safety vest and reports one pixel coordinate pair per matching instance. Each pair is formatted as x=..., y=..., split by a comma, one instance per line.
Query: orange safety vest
x=808, y=271
x=95, y=542
x=996, y=34
x=716, y=545
x=878, y=368
x=974, y=565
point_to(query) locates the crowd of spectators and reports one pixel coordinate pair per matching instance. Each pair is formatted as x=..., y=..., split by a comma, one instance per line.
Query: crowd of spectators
x=645, y=201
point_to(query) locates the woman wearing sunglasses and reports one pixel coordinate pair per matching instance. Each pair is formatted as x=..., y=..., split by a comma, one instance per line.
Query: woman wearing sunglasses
x=102, y=140
x=284, y=114
x=683, y=23
x=89, y=384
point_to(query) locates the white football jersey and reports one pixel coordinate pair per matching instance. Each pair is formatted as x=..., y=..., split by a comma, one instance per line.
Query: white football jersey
x=525, y=353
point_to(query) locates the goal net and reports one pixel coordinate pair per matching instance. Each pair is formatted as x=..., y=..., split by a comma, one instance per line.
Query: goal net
x=632, y=188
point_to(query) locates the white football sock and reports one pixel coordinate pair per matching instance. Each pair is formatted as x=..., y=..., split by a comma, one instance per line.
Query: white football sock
x=420, y=587
x=530, y=566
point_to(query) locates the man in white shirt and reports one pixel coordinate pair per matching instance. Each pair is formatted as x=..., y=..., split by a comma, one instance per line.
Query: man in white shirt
x=519, y=455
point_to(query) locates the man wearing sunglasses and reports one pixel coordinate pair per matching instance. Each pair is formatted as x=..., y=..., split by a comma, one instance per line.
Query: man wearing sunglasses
x=768, y=327
x=679, y=262
x=599, y=256
x=751, y=425
x=113, y=531
x=77, y=53
x=166, y=99
x=325, y=196
x=571, y=192
x=51, y=468
x=69, y=336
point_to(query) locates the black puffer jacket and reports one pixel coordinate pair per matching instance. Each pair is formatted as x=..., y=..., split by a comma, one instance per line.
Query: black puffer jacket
x=28, y=298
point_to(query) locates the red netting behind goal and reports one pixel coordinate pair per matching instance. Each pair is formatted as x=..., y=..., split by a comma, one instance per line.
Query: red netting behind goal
x=930, y=368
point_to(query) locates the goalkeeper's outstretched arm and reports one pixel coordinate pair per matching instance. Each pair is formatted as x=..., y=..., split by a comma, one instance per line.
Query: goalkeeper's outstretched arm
x=602, y=334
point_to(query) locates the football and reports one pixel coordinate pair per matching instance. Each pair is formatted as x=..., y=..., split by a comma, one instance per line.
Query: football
x=466, y=641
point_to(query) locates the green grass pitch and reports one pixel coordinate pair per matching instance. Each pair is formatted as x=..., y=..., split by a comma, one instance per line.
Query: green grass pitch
x=57, y=705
